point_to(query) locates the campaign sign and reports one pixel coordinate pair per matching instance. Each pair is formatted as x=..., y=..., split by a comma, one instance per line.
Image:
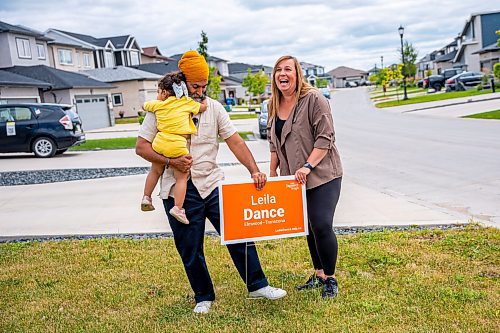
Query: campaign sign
x=279, y=210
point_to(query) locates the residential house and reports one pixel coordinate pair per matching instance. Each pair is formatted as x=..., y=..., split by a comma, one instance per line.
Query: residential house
x=426, y=64
x=132, y=87
x=152, y=54
x=312, y=73
x=476, y=37
x=343, y=74
x=22, y=46
x=88, y=95
x=108, y=51
x=373, y=71
x=444, y=57
x=237, y=72
x=69, y=54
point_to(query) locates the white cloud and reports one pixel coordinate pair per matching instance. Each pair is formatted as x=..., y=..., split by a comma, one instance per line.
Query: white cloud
x=353, y=33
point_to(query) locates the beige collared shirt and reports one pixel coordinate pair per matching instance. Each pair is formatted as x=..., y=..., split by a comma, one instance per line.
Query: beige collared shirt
x=204, y=146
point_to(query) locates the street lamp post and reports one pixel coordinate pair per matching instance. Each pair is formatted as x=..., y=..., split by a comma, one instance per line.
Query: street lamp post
x=401, y=31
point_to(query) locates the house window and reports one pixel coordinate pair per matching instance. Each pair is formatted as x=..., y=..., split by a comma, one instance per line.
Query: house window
x=41, y=50
x=65, y=56
x=23, y=48
x=117, y=99
x=134, y=58
x=109, y=59
x=320, y=71
x=86, y=60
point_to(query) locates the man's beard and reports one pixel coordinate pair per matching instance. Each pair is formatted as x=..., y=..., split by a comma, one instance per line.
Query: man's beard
x=197, y=97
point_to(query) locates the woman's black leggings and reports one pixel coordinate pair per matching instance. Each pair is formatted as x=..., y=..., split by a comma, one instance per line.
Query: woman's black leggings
x=322, y=242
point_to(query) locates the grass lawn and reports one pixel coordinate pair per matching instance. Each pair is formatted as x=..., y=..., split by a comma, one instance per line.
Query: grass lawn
x=419, y=281
x=131, y=120
x=234, y=116
x=127, y=143
x=115, y=143
x=485, y=115
x=432, y=97
x=400, y=93
x=379, y=90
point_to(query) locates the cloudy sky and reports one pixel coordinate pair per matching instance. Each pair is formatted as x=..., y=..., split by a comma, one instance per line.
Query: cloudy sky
x=332, y=33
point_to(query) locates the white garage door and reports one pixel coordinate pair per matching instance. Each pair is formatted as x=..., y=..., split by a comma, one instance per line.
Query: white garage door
x=93, y=110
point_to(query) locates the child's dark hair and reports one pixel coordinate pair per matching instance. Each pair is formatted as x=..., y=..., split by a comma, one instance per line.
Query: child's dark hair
x=169, y=79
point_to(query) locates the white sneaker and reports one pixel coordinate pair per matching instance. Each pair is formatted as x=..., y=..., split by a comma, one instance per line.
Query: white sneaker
x=202, y=307
x=268, y=292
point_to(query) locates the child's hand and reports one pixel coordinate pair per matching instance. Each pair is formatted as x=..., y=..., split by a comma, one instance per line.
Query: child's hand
x=203, y=105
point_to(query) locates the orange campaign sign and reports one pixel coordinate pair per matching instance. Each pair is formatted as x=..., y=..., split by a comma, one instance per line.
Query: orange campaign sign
x=279, y=210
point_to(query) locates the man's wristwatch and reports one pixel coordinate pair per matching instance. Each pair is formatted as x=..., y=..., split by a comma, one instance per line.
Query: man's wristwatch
x=308, y=165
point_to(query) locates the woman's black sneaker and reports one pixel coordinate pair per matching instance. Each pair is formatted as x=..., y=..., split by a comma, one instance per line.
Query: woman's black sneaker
x=312, y=282
x=330, y=288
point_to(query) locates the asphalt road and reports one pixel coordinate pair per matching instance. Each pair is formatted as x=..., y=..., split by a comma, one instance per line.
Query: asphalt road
x=453, y=163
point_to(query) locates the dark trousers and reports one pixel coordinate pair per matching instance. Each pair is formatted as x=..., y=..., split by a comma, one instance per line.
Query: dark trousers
x=322, y=242
x=189, y=243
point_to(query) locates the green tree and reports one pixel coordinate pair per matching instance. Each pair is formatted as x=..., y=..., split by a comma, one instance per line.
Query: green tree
x=428, y=73
x=214, y=80
x=411, y=54
x=203, y=45
x=373, y=79
x=498, y=40
x=322, y=83
x=213, y=87
x=255, y=83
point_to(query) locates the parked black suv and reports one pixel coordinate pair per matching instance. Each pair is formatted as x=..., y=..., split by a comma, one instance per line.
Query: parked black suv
x=437, y=82
x=44, y=129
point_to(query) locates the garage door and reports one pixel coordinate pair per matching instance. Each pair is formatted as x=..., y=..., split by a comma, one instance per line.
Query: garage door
x=93, y=110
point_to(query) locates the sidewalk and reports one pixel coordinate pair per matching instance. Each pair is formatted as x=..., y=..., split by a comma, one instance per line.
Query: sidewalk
x=476, y=104
x=111, y=205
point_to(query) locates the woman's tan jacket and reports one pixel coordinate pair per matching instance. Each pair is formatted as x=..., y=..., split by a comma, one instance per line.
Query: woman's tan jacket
x=310, y=125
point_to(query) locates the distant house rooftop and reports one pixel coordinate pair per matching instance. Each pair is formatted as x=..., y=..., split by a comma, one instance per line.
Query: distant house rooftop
x=12, y=79
x=344, y=72
x=58, y=79
x=6, y=27
x=160, y=68
x=120, y=73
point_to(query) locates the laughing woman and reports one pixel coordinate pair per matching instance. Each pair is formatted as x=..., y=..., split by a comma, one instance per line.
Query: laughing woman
x=302, y=143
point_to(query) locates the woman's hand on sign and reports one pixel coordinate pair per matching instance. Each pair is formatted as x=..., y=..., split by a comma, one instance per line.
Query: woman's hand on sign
x=301, y=175
x=260, y=179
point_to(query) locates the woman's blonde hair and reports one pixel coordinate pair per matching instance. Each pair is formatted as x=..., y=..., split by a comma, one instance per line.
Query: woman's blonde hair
x=301, y=89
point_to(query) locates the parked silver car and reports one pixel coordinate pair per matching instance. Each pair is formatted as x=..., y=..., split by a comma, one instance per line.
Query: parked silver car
x=263, y=116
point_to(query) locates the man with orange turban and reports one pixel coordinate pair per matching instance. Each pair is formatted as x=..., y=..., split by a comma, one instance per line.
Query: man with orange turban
x=202, y=196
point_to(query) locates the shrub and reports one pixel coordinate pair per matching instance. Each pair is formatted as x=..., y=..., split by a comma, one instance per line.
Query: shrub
x=496, y=70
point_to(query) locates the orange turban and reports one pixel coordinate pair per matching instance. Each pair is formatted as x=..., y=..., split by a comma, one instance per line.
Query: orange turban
x=194, y=66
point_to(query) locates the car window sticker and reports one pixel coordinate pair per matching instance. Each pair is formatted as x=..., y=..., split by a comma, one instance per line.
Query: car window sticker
x=37, y=111
x=11, y=128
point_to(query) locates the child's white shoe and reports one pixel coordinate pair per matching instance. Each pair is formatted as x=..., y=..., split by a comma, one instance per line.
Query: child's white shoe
x=179, y=214
x=147, y=204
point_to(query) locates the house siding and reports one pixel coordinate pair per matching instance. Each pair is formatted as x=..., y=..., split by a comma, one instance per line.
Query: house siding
x=33, y=61
x=78, y=62
x=489, y=24
x=134, y=94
